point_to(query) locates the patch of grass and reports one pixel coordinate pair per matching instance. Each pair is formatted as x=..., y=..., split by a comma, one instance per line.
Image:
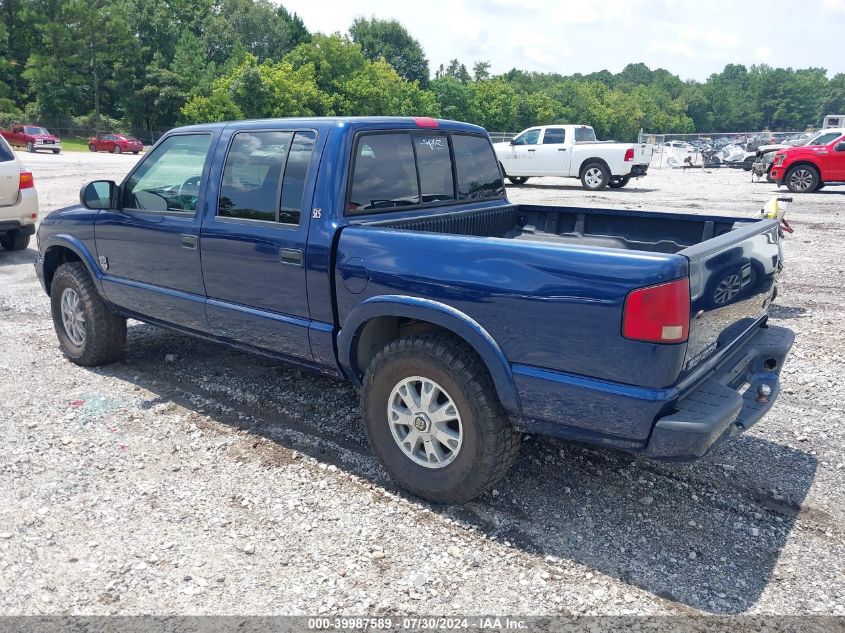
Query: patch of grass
x=74, y=144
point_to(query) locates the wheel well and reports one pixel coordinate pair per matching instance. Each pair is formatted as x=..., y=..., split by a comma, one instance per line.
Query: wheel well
x=378, y=332
x=55, y=257
x=804, y=163
x=593, y=160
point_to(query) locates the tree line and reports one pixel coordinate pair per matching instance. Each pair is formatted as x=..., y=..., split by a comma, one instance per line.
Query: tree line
x=143, y=65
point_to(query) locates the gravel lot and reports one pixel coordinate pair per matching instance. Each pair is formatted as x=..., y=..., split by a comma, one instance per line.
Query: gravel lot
x=222, y=483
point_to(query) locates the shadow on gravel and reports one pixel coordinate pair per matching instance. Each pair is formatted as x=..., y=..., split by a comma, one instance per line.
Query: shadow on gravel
x=706, y=535
x=16, y=258
x=787, y=312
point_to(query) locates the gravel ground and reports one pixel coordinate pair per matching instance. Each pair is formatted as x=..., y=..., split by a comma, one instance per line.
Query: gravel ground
x=222, y=483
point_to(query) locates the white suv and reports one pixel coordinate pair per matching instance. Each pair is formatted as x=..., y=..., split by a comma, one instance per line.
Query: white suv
x=18, y=201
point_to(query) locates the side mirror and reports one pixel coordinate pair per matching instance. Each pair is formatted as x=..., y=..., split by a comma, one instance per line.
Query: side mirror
x=99, y=194
x=510, y=142
x=839, y=147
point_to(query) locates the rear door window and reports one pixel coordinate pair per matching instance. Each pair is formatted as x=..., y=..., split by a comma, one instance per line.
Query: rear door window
x=384, y=174
x=476, y=168
x=252, y=176
x=554, y=136
x=296, y=171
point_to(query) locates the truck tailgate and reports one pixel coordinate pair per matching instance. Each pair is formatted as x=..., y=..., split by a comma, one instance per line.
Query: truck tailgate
x=732, y=281
x=643, y=153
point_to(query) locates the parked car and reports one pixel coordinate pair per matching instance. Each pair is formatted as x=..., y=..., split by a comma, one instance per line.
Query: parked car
x=384, y=250
x=18, y=201
x=810, y=167
x=32, y=137
x=572, y=151
x=115, y=143
x=798, y=139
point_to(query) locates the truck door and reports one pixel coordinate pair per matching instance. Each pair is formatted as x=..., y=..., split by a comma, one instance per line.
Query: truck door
x=837, y=160
x=149, y=249
x=253, y=246
x=522, y=159
x=553, y=156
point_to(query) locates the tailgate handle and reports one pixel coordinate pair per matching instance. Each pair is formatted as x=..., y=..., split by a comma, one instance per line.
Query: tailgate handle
x=290, y=256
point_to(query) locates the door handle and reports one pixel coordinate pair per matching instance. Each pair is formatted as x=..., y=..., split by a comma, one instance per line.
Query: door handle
x=561, y=149
x=292, y=256
x=532, y=150
x=189, y=241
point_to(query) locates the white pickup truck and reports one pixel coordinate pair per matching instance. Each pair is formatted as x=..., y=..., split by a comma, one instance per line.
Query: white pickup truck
x=572, y=151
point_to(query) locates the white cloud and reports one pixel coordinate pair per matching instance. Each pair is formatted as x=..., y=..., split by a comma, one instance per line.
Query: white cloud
x=764, y=54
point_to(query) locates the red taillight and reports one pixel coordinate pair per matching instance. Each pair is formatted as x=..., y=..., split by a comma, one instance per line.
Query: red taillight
x=629, y=154
x=426, y=121
x=26, y=181
x=658, y=314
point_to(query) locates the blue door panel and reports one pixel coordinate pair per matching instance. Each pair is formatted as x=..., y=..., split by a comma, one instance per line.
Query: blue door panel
x=164, y=304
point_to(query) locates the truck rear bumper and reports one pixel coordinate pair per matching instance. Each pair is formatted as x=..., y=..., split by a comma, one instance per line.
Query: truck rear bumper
x=638, y=171
x=729, y=402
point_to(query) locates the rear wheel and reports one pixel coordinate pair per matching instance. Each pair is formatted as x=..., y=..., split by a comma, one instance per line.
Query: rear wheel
x=89, y=333
x=135, y=151
x=14, y=240
x=434, y=420
x=518, y=180
x=802, y=179
x=617, y=182
x=595, y=176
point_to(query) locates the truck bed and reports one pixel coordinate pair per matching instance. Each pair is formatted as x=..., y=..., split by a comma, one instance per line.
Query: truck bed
x=609, y=228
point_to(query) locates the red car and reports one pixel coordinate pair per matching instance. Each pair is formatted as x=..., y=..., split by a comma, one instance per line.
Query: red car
x=810, y=167
x=115, y=143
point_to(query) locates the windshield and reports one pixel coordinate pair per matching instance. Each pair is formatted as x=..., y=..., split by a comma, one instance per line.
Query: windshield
x=35, y=130
x=823, y=138
x=584, y=134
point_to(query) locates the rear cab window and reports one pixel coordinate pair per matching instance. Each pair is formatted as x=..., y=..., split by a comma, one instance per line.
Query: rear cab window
x=404, y=169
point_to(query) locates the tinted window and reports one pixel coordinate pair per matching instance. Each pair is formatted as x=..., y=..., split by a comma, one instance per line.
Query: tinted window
x=36, y=130
x=529, y=137
x=384, y=175
x=296, y=171
x=554, y=135
x=476, y=168
x=252, y=175
x=169, y=178
x=435, y=166
x=589, y=134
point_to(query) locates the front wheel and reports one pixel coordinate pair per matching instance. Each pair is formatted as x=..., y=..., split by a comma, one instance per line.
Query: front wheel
x=14, y=240
x=617, y=182
x=117, y=149
x=595, y=176
x=802, y=179
x=56, y=151
x=92, y=147
x=434, y=420
x=30, y=147
x=89, y=333
x=518, y=180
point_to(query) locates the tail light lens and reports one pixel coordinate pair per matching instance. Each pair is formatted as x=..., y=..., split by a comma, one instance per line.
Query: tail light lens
x=26, y=180
x=629, y=154
x=658, y=314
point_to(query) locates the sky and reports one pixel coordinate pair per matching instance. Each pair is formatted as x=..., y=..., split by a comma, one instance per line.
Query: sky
x=689, y=38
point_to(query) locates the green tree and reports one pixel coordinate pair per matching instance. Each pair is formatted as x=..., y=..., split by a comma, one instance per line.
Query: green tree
x=481, y=71
x=389, y=40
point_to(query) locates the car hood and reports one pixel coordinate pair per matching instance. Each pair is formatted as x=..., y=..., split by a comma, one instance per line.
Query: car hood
x=772, y=148
x=806, y=150
x=44, y=137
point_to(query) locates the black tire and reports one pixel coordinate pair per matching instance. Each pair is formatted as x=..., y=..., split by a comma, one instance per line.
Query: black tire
x=135, y=151
x=518, y=180
x=92, y=147
x=489, y=442
x=105, y=332
x=117, y=149
x=820, y=186
x=14, y=240
x=30, y=147
x=617, y=182
x=589, y=174
x=802, y=179
x=56, y=151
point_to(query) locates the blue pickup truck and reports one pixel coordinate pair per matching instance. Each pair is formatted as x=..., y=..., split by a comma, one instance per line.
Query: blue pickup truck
x=384, y=251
